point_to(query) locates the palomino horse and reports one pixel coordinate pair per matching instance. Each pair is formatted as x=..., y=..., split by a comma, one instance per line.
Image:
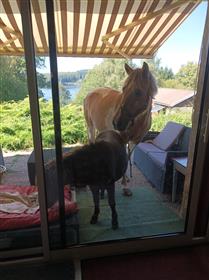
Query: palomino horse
x=128, y=112
x=98, y=165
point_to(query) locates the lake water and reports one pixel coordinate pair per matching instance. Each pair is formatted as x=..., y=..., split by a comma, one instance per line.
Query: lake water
x=48, y=92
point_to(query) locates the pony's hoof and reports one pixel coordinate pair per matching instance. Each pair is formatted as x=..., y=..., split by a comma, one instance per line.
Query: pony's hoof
x=115, y=225
x=94, y=220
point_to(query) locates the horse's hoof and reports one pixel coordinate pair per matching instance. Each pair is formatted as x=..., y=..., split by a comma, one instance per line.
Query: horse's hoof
x=127, y=192
x=94, y=220
x=115, y=226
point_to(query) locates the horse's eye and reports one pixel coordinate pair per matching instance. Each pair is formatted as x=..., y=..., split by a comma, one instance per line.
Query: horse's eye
x=137, y=93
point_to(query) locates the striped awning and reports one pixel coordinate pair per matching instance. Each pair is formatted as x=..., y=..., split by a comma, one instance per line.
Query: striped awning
x=96, y=28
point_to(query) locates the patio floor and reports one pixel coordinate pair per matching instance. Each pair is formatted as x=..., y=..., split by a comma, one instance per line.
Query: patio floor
x=147, y=212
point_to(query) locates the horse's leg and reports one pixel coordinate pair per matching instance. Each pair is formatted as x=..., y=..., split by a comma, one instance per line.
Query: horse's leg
x=125, y=179
x=95, y=193
x=91, y=132
x=111, y=201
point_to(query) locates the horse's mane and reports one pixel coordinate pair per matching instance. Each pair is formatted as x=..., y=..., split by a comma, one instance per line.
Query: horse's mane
x=136, y=78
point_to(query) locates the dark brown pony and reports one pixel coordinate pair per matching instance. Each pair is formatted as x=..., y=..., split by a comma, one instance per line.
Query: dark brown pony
x=98, y=165
x=129, y=111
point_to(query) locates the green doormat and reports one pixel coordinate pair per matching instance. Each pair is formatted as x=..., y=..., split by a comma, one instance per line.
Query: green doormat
x=143, y=214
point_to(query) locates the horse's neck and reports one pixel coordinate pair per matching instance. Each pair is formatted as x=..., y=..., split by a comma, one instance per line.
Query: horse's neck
x=140, y=127
x=118, y=104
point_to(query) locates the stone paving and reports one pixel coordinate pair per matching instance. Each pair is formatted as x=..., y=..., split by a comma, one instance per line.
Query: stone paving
x=17, y=173
x=16, y=165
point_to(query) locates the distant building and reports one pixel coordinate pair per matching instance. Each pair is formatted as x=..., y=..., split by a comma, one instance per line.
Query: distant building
x=170, y=98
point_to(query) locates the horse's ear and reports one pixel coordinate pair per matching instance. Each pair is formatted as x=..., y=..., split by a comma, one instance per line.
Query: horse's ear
x=145, y=70
x=128, y=69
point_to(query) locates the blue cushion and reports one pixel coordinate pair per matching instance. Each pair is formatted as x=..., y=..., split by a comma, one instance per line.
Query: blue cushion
x=168, y=136
x=148, y=147
x=159, y=158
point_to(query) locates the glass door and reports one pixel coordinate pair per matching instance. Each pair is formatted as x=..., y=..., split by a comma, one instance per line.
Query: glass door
x=162, y=209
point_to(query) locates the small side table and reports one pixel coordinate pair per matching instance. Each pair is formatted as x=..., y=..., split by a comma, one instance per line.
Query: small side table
x=179, y=165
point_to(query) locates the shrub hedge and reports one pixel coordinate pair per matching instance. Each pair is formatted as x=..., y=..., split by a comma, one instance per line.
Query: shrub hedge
x=16, y=132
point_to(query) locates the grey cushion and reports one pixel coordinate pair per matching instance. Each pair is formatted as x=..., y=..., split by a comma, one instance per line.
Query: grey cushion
x=148, y=147
x=168, y=135
x=159, y=158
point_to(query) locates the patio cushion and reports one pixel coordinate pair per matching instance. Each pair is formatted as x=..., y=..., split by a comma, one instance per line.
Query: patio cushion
x=167, y=137
x=159, y=158
x=10, y=221
x=148, y=147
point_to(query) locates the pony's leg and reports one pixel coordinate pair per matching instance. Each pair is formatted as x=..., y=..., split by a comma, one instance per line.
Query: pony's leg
x=102, y=192
x=111, y=201
x=95, y=193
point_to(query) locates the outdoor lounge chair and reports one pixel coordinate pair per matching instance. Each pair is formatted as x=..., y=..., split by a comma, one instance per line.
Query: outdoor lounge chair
x=20, y=223
x=154, y=157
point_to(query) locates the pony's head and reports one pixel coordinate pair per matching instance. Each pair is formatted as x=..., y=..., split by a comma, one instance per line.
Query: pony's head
x=138, y=88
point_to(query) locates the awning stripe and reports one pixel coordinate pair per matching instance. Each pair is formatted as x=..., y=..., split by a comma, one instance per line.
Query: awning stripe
x=37, y=12
x=96, y=28
x=137, y=15
x=112, y=20
x=8, y=36
x=141, y=27
x=76, y=25
x=103, y=8
x=90, y=8
x=11, y=18
x=63, y=6
x=175, y=25
x=4, y=47
x=123, y=21
x=159, y=30
x=152, y=26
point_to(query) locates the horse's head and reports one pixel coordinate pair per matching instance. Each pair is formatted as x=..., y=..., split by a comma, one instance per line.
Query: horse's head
x=138, y=88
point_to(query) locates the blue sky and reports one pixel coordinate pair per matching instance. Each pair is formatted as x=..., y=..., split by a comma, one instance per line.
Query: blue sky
x=182, y=46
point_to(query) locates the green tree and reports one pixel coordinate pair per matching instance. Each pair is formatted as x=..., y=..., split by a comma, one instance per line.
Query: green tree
x=110, y=73
x=13, y=80
x=65, y=95
x=187, y=75
x=160, y=73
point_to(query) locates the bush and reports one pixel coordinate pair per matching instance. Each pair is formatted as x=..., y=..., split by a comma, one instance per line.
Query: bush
x=16, y=132
x=176, y=115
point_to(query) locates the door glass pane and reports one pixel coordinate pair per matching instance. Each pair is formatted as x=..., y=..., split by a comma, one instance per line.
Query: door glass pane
x=19, y=205
x=154, y=203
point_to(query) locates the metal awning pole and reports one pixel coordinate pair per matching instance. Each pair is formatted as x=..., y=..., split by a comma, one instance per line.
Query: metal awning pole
x=35, y=117
x=56, y=113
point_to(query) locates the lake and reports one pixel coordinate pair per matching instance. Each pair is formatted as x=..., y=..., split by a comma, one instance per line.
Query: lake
x=48, y=92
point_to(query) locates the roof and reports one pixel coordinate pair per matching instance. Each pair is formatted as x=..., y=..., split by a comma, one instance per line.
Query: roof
x=96, y=28
x=170, y=97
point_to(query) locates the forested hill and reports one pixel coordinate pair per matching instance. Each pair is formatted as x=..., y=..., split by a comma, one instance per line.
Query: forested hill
x=70, y=77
